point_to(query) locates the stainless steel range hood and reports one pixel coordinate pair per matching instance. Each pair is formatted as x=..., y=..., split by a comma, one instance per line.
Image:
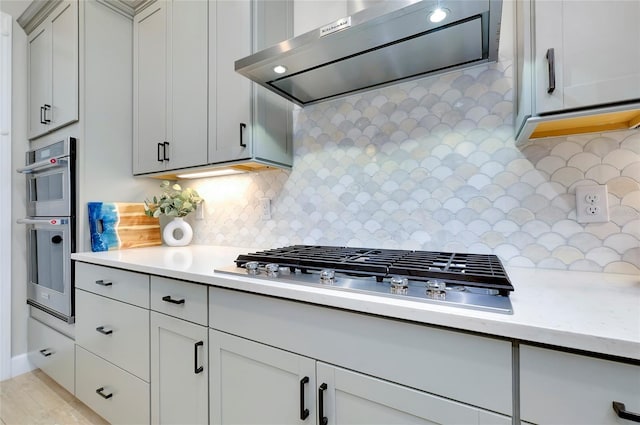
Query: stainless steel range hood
x=378, y=46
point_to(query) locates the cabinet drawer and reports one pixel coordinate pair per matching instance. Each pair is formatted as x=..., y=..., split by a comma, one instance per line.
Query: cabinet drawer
x=115, y=331
x=467, y=368
x=124, y=399
x=52, y=352
x=130, y=287
x=558, y=387
x=180, y=299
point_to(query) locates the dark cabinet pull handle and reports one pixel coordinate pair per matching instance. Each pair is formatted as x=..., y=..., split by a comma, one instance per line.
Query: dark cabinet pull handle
x=42, y=115
x=160, y=145
x=551, y=59
x=45, y=352
x=168, y=299
x=103, y=332
x=165, y=155
x=102, y=282
x=242, y=128
x=46, y=108
x=323, y=419
x=197, y=369
x=621, y=411
x=102, y=394
x=304, y=413
x=56, y=239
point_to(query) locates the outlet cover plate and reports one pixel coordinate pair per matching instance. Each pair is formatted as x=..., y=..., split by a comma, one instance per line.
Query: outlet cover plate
x=592, y=204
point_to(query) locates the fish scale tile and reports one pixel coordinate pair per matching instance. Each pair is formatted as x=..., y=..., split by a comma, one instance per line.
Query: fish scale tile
x=432, y=164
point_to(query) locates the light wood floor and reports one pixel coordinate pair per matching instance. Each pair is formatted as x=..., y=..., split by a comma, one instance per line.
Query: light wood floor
x=33, y=399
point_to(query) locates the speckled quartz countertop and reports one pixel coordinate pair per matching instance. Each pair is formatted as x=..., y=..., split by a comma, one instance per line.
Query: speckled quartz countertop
x=595, y=312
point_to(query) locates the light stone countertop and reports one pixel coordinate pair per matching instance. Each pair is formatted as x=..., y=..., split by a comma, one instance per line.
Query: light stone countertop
x=595, y=312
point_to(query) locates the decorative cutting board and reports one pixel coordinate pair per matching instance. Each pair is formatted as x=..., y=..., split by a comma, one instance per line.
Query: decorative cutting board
x=120, y=225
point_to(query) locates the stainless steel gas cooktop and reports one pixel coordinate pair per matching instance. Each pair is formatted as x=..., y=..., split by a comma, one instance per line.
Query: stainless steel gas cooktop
x=473, y=281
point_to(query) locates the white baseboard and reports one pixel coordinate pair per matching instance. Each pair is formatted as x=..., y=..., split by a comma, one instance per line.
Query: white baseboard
x=20, y=364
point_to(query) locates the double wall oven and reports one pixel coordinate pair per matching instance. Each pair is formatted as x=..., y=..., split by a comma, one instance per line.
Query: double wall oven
x=51, y=230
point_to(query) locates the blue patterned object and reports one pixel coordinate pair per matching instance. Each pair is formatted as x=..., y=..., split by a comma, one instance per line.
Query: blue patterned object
x=103, y=218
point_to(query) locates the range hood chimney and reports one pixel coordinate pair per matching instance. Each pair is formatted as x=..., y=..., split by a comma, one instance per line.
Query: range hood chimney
x=389, y=42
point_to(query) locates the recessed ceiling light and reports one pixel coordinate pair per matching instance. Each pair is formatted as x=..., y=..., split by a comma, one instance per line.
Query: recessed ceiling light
x=438, y=15
x=279, y=69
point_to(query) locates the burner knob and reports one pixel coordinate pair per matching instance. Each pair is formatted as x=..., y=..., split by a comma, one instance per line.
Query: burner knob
x=327, y=276
x=252, y=267
x=399, y=285
x=273, y=269
x=436, y=289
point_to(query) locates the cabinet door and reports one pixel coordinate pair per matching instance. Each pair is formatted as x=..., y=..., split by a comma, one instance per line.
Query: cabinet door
x=39, y=66
x=594, y=63
x=570, y=389
x=187, y=106
x=232, y=124
x=346, y=397
x=52, y=352
x=179, y=371
x=64, y=65
x=253, y=383
x=150, y=88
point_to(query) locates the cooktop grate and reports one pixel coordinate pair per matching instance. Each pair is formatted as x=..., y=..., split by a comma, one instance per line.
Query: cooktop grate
x=477, y=270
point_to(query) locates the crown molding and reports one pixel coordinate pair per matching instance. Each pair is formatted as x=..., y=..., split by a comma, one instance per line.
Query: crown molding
x=36, y=13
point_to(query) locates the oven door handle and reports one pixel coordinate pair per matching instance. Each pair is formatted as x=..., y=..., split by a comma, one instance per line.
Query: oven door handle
x=57, y=161
x=50, y=221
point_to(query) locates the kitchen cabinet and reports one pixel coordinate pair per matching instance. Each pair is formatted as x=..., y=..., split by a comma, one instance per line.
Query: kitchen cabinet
x=255, y=383
x=52, y=352
x=565, y=64
x=191, y=109
x=179, y=352
x=170, y=80
x=559, y=387
x=52, y=55
x=246, y=122
x=461, y=372
x=112, y=343
x=355, y=398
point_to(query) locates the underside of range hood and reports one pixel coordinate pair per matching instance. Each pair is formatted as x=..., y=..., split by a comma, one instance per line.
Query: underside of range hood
x=391, y=42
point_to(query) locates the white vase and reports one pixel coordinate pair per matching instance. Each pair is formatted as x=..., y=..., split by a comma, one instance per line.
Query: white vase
x=177, y=232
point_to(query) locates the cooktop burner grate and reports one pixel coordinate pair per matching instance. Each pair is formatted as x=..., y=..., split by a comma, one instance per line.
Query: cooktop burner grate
x=478, y=270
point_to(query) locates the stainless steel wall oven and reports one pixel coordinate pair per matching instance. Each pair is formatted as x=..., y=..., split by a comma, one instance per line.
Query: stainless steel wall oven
x=51, y=228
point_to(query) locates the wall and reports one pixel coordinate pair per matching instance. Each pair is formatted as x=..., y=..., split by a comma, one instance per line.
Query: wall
x=432, y=165
x=19, y=146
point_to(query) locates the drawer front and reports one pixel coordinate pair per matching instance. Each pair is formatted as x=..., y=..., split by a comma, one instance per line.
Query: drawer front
x=115, y=331
x=114, y=394
x=52, y=352
x=184, y=300
x=564, y=388
x=463, y=367
x=130, y=287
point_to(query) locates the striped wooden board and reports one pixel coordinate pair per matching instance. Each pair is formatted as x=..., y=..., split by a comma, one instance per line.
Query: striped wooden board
x=121, y=225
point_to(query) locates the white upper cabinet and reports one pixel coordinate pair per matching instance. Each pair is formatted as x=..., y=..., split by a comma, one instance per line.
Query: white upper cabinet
x=170, y=80
x=596, y=50
x=576, y=62
x=246, y=122
x=53, y=71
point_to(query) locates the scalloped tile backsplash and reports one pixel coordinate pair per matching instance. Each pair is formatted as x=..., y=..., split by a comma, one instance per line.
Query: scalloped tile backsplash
x=432, y=165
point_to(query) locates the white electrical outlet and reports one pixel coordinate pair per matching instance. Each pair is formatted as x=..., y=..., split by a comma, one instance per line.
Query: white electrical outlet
x=592, y=204
x=265, y=208
x=200, y=211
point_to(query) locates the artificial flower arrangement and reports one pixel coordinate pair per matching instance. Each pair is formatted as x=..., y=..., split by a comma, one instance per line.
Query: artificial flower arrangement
x=174, y=201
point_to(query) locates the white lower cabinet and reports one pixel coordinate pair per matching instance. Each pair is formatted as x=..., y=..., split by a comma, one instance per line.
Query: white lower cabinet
x=179, y=371
x=52, y=352
x=252, y=383
x=113, y=393
x=564, y=388
x=282, y=362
